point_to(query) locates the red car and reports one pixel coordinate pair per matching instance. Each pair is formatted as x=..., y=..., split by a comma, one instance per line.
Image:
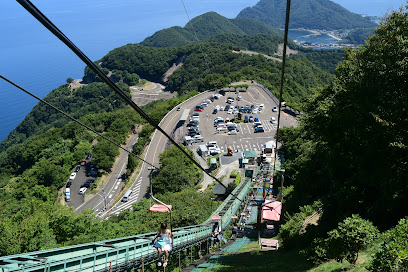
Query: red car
x=198, y=108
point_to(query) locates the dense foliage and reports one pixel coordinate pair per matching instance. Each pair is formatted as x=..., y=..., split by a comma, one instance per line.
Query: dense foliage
x=358, y=36
x=326, y=59
x=393, y=253
x=308, y=14
x=352, y=235
x=351, y=150
x=204, y=27
x=93, y=98
x=213, y=65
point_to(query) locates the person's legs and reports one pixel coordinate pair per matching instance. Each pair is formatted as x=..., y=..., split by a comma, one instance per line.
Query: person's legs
x=212, y=241
x=159, y=250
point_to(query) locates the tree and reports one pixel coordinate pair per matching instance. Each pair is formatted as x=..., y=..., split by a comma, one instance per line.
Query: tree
x=393, y=253
x=69, y=80
x=351, y=236
x=131, y=164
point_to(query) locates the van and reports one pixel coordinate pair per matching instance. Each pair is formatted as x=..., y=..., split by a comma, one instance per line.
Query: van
x=221, y=129
x=68, y=197
x=67, y=191
x=126, y=197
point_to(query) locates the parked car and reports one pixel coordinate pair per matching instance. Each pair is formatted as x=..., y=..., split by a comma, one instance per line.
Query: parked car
x=77, y=168
x=198, y=108
x=226, y=107
x=221, y=130
x=274, y=109
x=82, y=190
x=259, y=129
x=239, y=98
x=251, y=118
x=213, y=151
x=215, y=111
x=72, y=176
x=246, y=119
x=255, y=110
x=233, y=132
x=198, y=138
x=230, y=110
x=256, y=119
x=193, y=123
x=69, y=183
x=257, y=124
x=273, y=120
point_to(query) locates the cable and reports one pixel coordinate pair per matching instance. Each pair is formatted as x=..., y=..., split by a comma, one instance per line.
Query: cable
x=285, y=42
x=196, y=36
x=75, y=120
x=58, y=33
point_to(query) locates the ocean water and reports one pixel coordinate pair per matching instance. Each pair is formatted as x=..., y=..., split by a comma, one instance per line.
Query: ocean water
x=33, y=58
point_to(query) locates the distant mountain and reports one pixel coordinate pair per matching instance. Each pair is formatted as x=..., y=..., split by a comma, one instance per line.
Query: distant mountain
x=309, y=14
x=207, y=26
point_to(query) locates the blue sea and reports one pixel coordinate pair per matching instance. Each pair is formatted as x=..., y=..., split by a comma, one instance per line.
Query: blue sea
x=33, y=58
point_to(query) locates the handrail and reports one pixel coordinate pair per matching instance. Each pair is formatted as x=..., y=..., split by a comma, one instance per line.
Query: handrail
x=123, y=253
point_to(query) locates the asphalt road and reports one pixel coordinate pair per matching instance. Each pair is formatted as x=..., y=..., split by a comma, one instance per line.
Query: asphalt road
x=112, y=187
x=245, y=140
x=157, y=145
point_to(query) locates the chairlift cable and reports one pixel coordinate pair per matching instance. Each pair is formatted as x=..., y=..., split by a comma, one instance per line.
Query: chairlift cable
x=75, y=120
x=34, y=11
x=285, y=42
x=196, y=36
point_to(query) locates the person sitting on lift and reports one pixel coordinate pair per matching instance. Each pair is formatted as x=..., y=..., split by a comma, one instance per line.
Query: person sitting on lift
x=215, y=234
x=163, y=243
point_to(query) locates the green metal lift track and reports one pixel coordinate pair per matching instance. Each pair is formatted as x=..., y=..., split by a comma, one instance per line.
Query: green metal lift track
x=122, y=253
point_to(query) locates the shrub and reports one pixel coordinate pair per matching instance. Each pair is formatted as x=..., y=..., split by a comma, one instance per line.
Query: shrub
x=233, y=174
x=393, y=253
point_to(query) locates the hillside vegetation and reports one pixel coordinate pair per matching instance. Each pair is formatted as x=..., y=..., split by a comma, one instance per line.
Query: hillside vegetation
x=350, y=154
x=215, y=65
x=205, y=26
x=308, y=14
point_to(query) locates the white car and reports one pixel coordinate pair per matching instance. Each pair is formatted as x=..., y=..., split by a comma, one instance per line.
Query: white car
x=273, y=120
x=261, y=106
x=274, y=109
x=72, y=176
x=239, y=98
x=255, y=110
x=221, y=108
x=232, y=132
x=198, y=138
x=230, y=111
x=82, y=190
x=213, y=151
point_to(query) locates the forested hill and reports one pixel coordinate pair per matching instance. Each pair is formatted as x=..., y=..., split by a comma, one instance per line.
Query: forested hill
x=220, y=67
x=309, y=14
x=206, y=26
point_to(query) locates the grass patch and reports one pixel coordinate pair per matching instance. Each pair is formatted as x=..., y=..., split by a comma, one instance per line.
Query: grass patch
x=253, y=258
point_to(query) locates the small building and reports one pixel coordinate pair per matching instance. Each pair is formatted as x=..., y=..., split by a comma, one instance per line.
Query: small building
x=249, y=157
x=202, y=150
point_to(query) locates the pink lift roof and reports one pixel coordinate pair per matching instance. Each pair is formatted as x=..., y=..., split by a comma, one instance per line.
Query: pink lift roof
x=272, y=211
x=159, y=208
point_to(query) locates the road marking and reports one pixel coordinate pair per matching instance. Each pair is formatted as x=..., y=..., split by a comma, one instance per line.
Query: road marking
x=110, y=196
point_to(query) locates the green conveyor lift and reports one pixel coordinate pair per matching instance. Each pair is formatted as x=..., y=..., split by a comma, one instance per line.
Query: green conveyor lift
x=121, y=253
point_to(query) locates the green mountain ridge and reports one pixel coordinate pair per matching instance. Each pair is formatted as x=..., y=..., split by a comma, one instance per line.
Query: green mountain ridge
x=206, y=26
x=308, y=14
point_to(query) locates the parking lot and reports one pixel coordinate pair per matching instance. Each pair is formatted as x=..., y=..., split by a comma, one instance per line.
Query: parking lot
x=245, y=139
